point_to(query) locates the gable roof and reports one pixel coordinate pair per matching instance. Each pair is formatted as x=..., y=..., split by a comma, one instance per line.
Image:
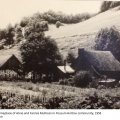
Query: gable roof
x=66, y=69
x=101, y=60
x=5, y=58
x=13, y=51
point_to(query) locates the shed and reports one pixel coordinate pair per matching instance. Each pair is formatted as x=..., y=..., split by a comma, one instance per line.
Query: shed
x=65, y=71
x=99, y=62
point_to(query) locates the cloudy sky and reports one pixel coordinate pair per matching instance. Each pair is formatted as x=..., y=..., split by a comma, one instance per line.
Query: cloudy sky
x=12, y=11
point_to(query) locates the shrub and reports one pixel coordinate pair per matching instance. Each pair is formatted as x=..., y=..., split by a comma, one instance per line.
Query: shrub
x=95, y=84
x=82, y=79
x=58, y=24
x=63, y=82
x=54, y=103
x=37, y=99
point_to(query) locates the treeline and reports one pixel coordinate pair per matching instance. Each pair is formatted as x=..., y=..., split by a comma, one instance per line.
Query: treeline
x=12, y=34
x=106, y=5
x=52, y=17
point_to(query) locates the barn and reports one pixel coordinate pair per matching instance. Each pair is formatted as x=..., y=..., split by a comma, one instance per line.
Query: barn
x=9, y=65
x=98, y=62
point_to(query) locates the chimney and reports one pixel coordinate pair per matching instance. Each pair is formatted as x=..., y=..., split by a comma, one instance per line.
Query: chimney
x=80, y=51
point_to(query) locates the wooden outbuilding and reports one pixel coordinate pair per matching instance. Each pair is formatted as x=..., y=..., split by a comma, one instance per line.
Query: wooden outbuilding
x=65, y=71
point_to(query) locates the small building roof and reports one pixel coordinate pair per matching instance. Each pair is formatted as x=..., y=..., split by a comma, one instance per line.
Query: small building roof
x=66, y=69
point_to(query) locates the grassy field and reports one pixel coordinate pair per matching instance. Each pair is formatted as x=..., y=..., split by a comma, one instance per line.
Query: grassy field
x=29, y=88
x=38, y=96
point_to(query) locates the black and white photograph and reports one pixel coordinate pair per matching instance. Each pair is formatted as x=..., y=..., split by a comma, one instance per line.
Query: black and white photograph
x=59, y=54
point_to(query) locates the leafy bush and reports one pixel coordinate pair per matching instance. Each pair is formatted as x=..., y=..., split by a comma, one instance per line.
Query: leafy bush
x=54, y=103
x=82, y=79
x=67, y=81
x=58, y=24
x=63, y=82
x=94, y=83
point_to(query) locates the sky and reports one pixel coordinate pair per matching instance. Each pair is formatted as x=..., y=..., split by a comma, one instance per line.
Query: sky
x=12, y=11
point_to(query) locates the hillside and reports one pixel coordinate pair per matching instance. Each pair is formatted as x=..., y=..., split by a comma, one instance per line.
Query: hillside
x=105, y=19
x=72, y=36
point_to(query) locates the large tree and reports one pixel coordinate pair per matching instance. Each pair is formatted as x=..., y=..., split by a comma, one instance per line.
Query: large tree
x=40, y=54
x=108, y=39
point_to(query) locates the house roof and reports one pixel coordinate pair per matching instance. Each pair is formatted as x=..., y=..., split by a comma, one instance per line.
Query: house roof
x=9, y=52
x=5, y=58
x=101, y=60
x=66, y=69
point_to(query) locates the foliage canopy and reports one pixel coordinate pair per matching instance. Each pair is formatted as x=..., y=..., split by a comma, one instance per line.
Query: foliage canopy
x=108, y=39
